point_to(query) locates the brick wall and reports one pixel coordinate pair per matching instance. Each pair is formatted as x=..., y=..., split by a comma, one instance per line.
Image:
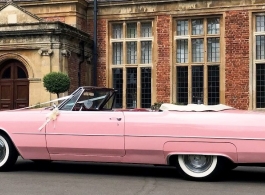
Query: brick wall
x=81, y=24
x=163, y=59
x=102, y=58
x=101, y=49
x=73, y=66
x=237, y=59
x=90, y=27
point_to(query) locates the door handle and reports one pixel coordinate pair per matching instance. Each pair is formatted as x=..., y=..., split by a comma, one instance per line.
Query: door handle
x=118, y=119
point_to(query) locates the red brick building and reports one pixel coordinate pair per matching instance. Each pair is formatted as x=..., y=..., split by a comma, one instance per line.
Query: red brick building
x=182, y=52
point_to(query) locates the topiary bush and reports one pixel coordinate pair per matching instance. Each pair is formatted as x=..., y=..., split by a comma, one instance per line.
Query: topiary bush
x=56, y=82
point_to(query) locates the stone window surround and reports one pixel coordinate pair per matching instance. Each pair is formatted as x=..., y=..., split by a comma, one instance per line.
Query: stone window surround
x=138, y=65
x=255, y=61
x=204, y=63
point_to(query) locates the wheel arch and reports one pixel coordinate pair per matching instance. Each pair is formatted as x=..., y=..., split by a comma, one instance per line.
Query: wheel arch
x=225, y=150
x=3, y=132
x=172, y=158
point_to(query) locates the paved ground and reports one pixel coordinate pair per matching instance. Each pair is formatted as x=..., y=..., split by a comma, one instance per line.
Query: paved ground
x=111, y=179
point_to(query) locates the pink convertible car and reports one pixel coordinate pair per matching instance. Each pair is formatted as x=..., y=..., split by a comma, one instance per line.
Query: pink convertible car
x=200, y=141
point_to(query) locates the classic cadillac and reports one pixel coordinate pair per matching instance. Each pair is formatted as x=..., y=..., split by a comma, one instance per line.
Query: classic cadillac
x=200, y=141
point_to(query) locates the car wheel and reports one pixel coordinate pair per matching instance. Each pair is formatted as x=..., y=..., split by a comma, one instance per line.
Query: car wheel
x=199, y=167
x=8, y=153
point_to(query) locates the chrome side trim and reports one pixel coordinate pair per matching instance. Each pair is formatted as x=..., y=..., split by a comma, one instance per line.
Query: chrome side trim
x=29, y=133
x=161, y=136
x=197, y=137
x=72, y=134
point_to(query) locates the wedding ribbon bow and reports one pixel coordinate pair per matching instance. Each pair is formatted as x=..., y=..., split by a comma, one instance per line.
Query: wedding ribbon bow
x=50, y=116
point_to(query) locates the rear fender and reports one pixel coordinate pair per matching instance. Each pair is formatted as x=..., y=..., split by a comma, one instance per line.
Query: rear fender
x=224, y=149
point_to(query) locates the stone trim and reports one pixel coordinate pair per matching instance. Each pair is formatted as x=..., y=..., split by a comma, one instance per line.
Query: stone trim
x=105, y=3
x=34, y=80
x=9, y=2
x=44, y=28
x=20, y=58
x=66, y=53
x=45, y=51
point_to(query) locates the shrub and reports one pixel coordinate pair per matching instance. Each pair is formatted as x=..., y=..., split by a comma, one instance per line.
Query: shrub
x=56, y=82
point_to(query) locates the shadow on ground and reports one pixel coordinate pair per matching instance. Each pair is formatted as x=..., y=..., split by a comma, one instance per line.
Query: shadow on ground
x=243, y=174
x=98, y=168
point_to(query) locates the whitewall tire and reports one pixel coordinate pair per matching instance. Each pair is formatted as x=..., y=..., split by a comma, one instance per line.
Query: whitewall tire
x=8, y=153
x=199, y=167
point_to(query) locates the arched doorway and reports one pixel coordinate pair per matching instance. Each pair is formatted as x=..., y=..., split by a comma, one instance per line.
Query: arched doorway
x=14, y=85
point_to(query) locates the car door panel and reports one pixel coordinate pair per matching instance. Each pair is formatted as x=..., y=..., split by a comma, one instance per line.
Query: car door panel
x=94, y=133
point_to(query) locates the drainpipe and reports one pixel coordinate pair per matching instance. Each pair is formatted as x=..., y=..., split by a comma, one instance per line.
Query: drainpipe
x=82, y=59
x=95, y=55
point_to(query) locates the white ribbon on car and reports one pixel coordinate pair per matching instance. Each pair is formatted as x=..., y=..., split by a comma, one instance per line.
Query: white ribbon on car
x=53, y=114
x=33, y=106
x=50, y=116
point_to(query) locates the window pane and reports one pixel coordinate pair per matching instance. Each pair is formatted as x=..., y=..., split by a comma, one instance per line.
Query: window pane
x=213, y=25
x=20, y=73
x=131, y=88
x=118, y=85
x=108, y=105
x=260, y=50
x=182, y=27
x=182, y=85
x=131, y=52
x=117, y=53
x=146, y=52
x=7, y=73
x=146, y=29
x=197, y=84
x=131, y=30
x=260, y=23
x=146, y=76
x=213, y=49
x=197, y=27
x=182, y=51
x=260, y=82
x=213, y=85
x=197, y=50
x=117, y=31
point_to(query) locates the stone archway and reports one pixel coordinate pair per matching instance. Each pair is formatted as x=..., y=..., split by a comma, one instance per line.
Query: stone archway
x=14, y=85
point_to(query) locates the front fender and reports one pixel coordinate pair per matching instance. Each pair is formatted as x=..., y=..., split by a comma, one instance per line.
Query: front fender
x=225, y=149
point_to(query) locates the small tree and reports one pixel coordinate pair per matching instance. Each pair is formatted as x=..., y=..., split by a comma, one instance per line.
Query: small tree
x=56, y=82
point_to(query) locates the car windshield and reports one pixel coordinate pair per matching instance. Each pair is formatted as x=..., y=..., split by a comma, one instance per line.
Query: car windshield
x=96, y=97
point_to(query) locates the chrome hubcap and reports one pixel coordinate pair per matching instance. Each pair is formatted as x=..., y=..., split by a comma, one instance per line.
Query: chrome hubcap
x=198, y=163
x=2, y=150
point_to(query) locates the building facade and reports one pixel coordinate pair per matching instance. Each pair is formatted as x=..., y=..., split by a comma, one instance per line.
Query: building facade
x=35, y=40
x=180, y=52
x=183, y=51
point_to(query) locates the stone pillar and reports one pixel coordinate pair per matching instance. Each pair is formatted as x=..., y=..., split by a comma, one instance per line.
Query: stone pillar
x=65, y=56
x=46, y=65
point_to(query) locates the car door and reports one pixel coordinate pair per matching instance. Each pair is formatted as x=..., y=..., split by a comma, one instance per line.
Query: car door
x=92, y=133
